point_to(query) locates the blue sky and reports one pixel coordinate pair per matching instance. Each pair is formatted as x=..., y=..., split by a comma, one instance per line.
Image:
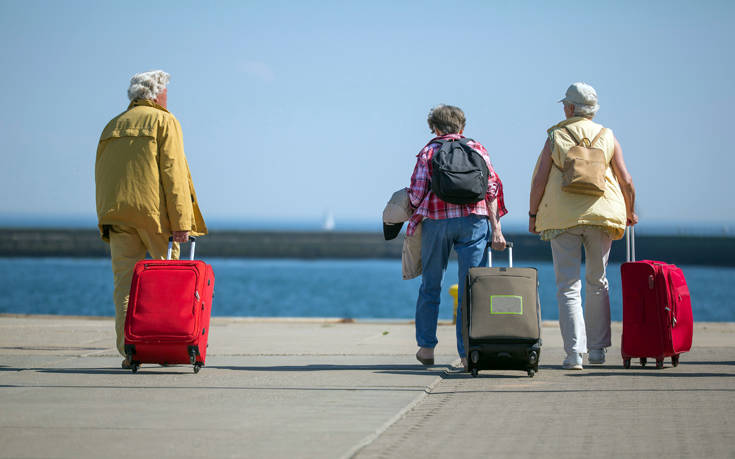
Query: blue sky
x=293, y=109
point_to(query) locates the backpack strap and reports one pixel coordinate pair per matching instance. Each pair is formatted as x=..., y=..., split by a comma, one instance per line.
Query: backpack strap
x=441, y=142
x=571, y=134
x=463, y=140
x=579, y=142
x=597, y=136
x=552, y=152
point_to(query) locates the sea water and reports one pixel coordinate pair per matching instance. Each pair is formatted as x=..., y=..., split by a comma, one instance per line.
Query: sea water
x=359, y=289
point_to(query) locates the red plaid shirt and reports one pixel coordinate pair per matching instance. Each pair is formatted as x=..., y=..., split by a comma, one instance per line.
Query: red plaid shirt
x=428, y=205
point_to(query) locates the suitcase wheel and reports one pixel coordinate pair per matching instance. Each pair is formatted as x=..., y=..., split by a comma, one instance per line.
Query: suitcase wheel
x=193, y=354
x=474, y=372
x=675, y=360
x=531, y=372
x=197, y=367
x=626, y=363
x=659, y=364
x=134, y=367
x=643, y=361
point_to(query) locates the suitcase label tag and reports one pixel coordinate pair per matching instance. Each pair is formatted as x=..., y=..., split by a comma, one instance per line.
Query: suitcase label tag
x=506, y=304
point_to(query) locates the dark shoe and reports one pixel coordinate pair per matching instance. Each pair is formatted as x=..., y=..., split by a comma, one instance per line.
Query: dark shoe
x=126, y=365
x=425, y=355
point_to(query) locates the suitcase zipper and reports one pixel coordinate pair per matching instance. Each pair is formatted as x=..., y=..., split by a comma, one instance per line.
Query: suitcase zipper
x=671, y=294
x=667, y=334
x=195, y=332
x=674, y=301
x=660, y=299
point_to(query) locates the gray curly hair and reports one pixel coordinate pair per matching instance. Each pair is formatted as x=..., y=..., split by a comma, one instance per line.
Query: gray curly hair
x=148, y=85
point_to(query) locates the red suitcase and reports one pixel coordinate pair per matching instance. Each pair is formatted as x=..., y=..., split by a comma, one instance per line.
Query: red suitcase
x=657, y=310
x=168, y=312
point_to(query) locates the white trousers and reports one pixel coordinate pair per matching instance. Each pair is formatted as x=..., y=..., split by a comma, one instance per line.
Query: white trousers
x=594, y=333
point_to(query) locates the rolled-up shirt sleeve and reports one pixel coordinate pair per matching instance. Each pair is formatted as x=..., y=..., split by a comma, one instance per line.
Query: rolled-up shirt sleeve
x=495, y=191
x=420, y=180
x=494, y=184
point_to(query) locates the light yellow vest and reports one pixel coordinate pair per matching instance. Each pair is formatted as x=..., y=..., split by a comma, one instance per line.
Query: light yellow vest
x=560, y=210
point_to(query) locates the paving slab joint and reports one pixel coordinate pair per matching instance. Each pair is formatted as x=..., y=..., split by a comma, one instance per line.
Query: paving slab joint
x=379, y=431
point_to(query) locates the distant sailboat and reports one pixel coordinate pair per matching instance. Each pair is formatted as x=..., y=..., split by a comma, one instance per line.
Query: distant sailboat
x=328, y=224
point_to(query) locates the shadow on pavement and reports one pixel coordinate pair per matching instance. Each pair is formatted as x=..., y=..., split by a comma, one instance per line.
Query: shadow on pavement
x=51, y=348
x=387, y=369
x=103, y=371
x=666, y=372
x=568, y=391
x=485, y=374
x=688, y=362
x=418, y=388
x=187, y=369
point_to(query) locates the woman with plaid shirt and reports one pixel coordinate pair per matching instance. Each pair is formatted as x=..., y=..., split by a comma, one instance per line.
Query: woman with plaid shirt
x=466, y=227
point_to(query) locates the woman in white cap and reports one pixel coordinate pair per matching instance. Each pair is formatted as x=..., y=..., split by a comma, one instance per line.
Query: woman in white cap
x=581, y=196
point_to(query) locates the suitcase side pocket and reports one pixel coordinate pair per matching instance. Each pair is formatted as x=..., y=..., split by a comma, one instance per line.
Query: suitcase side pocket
x=166, y=298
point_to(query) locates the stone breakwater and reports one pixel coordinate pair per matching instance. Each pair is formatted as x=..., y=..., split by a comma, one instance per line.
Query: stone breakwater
x=712, y=251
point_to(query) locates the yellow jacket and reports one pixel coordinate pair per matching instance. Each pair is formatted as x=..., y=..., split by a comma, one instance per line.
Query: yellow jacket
x=142, y=176
x=560, y=210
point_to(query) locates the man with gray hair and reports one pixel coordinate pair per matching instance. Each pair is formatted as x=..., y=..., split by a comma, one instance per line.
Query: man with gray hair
x=467, y=227
x=143, y=186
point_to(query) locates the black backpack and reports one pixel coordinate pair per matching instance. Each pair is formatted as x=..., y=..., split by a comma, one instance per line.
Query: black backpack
x=459, y=173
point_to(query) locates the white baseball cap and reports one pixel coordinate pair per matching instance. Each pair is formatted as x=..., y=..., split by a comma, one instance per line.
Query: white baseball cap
x=582, y=94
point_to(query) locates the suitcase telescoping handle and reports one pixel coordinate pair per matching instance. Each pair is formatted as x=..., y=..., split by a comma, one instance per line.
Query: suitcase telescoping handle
x=193, y=241
x=509, y=245
x=630, y=244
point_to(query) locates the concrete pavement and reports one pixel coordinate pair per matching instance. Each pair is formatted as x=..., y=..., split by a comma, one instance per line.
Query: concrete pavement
x=321, y=388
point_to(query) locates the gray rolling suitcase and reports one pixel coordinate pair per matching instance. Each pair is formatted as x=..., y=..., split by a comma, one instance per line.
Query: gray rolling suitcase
x=501, y=318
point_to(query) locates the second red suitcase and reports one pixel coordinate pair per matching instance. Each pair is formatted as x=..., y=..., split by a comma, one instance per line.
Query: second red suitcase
x=168, y=312
x=657, y=310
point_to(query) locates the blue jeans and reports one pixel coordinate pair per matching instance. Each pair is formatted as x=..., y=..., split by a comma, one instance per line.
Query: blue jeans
x=470, y=237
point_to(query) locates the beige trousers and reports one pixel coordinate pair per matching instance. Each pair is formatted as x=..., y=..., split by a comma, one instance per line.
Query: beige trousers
x=128, y=245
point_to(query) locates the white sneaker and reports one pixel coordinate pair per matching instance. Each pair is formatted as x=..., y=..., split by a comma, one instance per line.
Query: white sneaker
x=573, y=362
x=596, y=356
x=459, y=366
